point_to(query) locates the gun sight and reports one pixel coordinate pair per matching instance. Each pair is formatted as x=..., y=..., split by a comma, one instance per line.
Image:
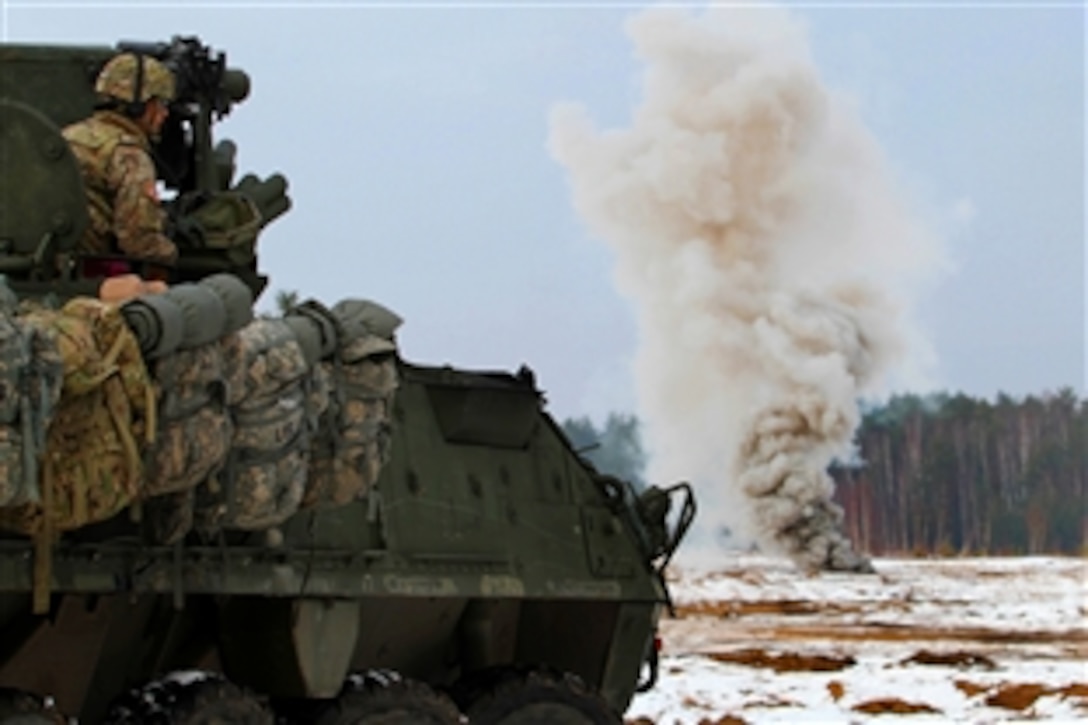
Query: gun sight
x=202, y=77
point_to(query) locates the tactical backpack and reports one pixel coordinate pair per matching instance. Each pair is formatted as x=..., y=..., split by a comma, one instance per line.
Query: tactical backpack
x=194, y=435
x=195, y=429
x=189, y=333
x=101, y=428
x=353, y=442
x=275, y=398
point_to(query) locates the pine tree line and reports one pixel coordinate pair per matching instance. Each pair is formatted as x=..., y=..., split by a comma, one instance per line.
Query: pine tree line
x=615, y=448
x=940, y=474
x=959, y=474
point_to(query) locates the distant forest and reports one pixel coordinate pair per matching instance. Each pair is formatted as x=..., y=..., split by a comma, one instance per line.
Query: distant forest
x=938, y=474
x=614, y=448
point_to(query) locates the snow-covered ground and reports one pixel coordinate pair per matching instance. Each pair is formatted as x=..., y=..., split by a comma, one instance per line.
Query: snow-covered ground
x=954, y=640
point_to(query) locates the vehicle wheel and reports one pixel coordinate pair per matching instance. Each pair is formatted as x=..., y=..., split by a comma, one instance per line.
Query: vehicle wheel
x=540, y=698
x=388, y=699
x=19, y=707
x=189, y=699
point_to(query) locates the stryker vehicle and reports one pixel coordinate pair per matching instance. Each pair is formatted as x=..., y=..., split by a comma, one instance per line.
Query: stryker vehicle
x=491, y=576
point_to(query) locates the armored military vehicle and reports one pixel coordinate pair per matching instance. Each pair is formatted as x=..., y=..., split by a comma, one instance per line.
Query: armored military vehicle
x=485, y=573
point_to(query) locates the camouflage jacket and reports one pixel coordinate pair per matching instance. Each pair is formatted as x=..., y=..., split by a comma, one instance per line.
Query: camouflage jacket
x=119, y=176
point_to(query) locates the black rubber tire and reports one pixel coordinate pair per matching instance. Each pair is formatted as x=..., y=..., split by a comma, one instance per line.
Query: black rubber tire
x=400, y=702
x=19, y=707
x=211, y=700
x=538, y=697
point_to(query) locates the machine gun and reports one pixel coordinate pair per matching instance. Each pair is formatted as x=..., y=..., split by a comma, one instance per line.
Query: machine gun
x=214, y=221
x=214, y=224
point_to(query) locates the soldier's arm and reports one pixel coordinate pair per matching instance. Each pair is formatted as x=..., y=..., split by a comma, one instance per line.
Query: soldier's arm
x=137, y=215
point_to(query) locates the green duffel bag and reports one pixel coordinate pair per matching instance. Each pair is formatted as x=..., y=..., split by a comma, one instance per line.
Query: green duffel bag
x=223, y=226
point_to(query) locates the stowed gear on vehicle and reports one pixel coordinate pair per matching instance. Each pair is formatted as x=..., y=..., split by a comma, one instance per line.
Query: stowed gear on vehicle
x=214, y=517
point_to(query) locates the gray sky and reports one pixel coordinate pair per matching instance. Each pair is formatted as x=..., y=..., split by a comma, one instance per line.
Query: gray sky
x=415, y=140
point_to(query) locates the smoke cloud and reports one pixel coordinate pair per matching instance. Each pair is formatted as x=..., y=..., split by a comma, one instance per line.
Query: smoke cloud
x=771, y=260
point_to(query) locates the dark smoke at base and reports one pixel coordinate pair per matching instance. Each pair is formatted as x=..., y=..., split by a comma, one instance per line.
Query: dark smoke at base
x=804, y=526
x=771, y=262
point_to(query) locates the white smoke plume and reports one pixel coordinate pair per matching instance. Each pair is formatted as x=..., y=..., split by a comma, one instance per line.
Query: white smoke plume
x=771, y=260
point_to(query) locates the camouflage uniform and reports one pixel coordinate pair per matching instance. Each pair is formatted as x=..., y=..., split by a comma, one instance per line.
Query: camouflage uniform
x=114, y=155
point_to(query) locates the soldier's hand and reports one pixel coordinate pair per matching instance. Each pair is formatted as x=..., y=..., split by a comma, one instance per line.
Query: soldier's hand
x=125, y=287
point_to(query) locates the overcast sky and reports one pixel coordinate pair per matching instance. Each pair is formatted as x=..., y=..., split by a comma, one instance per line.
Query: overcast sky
x=415, y=141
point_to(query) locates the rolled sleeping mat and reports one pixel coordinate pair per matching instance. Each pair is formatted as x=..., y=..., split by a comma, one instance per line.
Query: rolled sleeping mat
x=203, y=311
x=359, y=317
x=308, y=334
x=318, y=317
x=237, y=299
x=157, y=322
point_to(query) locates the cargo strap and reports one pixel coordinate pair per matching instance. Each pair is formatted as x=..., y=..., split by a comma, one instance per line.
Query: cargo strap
x=44, y=536
x=43, y=549
x=242, y=457
x=344, y=390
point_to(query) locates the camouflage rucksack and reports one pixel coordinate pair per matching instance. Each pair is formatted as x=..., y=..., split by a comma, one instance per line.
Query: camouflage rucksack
x=102, y=425
x=194, y=426
x=101, y=428
x=194, y=435
x=275, y=398
x=353, y=442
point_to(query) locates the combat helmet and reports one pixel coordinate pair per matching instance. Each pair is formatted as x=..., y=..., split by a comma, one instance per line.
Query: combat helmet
x=135, y=79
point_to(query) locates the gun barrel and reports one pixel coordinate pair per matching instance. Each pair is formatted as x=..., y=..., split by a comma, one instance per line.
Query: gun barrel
x=155, y=50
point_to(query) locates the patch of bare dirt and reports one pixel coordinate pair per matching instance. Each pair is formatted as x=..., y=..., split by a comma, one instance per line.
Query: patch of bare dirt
x=992, y=574
x=970, y=688
x=1077, y=689
x=724, y=720
x=893, y=705
x=950, y=659
x=906, y=633
x=836, y=689
x=1017, y=697
x=784, y=662
x=1020, y=696
x=742, y=608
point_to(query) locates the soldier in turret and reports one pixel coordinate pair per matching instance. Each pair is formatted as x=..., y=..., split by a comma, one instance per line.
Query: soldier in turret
x=113, y=147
